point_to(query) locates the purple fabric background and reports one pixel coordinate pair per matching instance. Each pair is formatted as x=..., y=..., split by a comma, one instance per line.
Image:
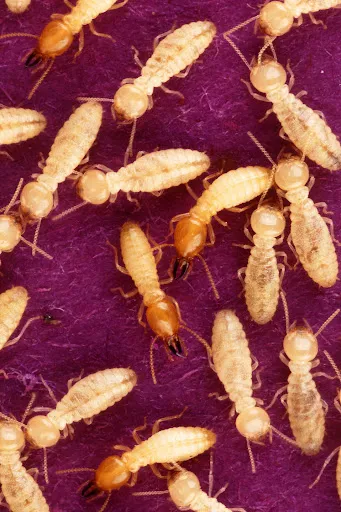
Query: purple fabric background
x=100, y=330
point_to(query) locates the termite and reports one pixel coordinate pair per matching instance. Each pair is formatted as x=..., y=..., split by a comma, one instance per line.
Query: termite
x=18, y=6
x=20, y=124
x=262, y=273
x=71, y=145
x=153, y=172
x=166, y=447
x=303, y=401
x=57, y=36
x=162, y=311
x=309, y=234
x=305, y=127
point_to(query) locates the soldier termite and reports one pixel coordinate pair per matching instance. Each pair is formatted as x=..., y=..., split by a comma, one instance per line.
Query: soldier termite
x=153, y=172
x=18, y=6
x=57, y=36
x=71, y=145
x=304, y=403
x=176, y=52
x=162, y=311
x=312, y=241
x=166, y=447
x=305, y=127
x=85, y=399
x=20, y=124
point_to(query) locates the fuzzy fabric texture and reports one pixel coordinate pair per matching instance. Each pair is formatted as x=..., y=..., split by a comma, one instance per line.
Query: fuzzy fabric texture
x=100, y=329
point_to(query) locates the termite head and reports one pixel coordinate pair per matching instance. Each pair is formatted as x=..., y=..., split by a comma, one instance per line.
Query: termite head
x=253, y=423
x=54, y=40
x=36, y=201
x=111, y=475
x=275, y=19
x=268, y=221
x=10, y=233
x=12, y=438
x=300, y=345
x=41, y=432
x=93, y=187
x=130, y=102
x=183, y=488
x=163, y=319
x=268, y=75
x=291, y=173
x=189, y=240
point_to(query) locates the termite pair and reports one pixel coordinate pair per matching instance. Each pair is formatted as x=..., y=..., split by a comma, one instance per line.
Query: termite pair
x=57, y=36
x=18, y=6
x=71, y=145
x=162, y=311
x=86, y=398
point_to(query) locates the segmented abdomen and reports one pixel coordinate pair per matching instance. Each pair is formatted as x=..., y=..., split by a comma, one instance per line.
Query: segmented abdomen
x=159, y=170
x=204, y=503
x=92, y=395
x=231, y=189
x=172, y=445
x=307, y=6
x=308, y=132
x=19, y=124
x=306, y=414
x=262, y=285
x=13, y=303
x=21, y=491
x=139, y=260
x=232, y=358
x=85, y=11
x=174, y=53
x=313, y=243
x=71, y=145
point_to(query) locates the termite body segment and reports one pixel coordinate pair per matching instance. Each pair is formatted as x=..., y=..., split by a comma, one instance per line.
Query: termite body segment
x=309, y=232
x=233, y=365
x=13, y=303
x=262, y=277
x=173, y=54
x=20, y=124
x=149, y=173
x=20, y=490
x=18, y=6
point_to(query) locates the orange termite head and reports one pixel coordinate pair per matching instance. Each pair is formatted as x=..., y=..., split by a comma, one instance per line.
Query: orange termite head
x=163, y=319
x=276, y=19
x=300, y=344
x=253, y=423
x=55, y=39
x=267, y=75
x=189, y=239
x=111, y=475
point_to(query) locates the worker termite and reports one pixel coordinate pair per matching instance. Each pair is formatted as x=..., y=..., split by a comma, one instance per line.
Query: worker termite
x=305, y=127
x=18, y=6
x=166, y=447
x=20, y=124
x=312, y=241
x=162, y=314
x=304, y=403
x=57, y=36
x=71, y=145
x=152, y=172
x=262, y=274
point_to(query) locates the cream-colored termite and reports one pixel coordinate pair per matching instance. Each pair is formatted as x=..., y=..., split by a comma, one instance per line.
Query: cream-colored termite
x=85, y=399
x=305, y=127
x=20, y=124
x=165, y=447
x=153, y=172
x=71, y=145
x=18, y=6
x=57, y=36
x=312, y=241
x=304, y=404
x=162, y=311
x=176, y=52
x=18, y=487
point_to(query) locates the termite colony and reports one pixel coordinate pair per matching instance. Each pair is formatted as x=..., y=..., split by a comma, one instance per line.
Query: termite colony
x=270, y=196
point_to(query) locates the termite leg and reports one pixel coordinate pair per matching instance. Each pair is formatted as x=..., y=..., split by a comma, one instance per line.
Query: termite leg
x=218, y=397
x=283, y=135
x=324, y=207
x=211, y=236
x=330, y=223
x=292, y=76
x=325, y=464
x=258, y=384
x=266, y=115
x=281, y=269
x=221, y=221
x=156, y=426
x=284, y=256
x=157, y=472
x=300, y=95
x=119, y=267
x=118, y=6
x=158, y=193
x=134, y=200
x=170, y=91
x=298, y=22
x=173, y=220
x=121, y=448
x=284, y=401
x=284, y=358
x=191, y=192
x=126, y=295
x=135, y=435
x=100, y=34
x=68, y=4
x=80, y=46
x=133, y=481
x=293, y=250
x=28, y=408
x=161, y=36
x=255, y=363
x=184, y=74
x=247, y=231
x=276, y=395
x=136, y=57
x=206, y=181
x=73, y=381
x=254, y=94
x=4, y=153
x=128, y=81
x=140, y=315
x=315, y=21
x=337, y=404
x=242, y=246
x=240, y=273
x=232, y=412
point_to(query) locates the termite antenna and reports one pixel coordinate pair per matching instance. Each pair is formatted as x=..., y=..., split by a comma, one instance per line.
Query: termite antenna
x=151, y=358
x=238, y=52
x=241, y=25
x=43, y=253
x=268, y=43
x=74, y=470
x=333, y=365
x=14, y=197
x=29, y=407
x=105, y=504
x=12, y=420
x=17, y=338
x=327, y=322
x=49, y=390
x=150, y=493
x=35, y=238
x=284, y=437
x=129, y=150
x=325, y=464
x=252, y=459
x=41, y=79
x=200, y=339
x=45, y=466
x=261, y=148
x=18, y=34
x=210, y=277
x=286, y=312
x=70, y=210
x=210, y=476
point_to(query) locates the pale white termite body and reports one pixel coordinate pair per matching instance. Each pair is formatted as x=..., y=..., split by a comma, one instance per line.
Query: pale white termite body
x=13, y=303
x=18, y=6
x=20, y=124
x=84, y=12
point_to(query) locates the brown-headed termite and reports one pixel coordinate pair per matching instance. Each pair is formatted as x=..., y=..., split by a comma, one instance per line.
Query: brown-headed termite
x=305, y=127
x=162, y=311
x=165, y=447
x=312, y=242
x=71, y=145
x=303, y=401
x=57, y=36
x=18, y=6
